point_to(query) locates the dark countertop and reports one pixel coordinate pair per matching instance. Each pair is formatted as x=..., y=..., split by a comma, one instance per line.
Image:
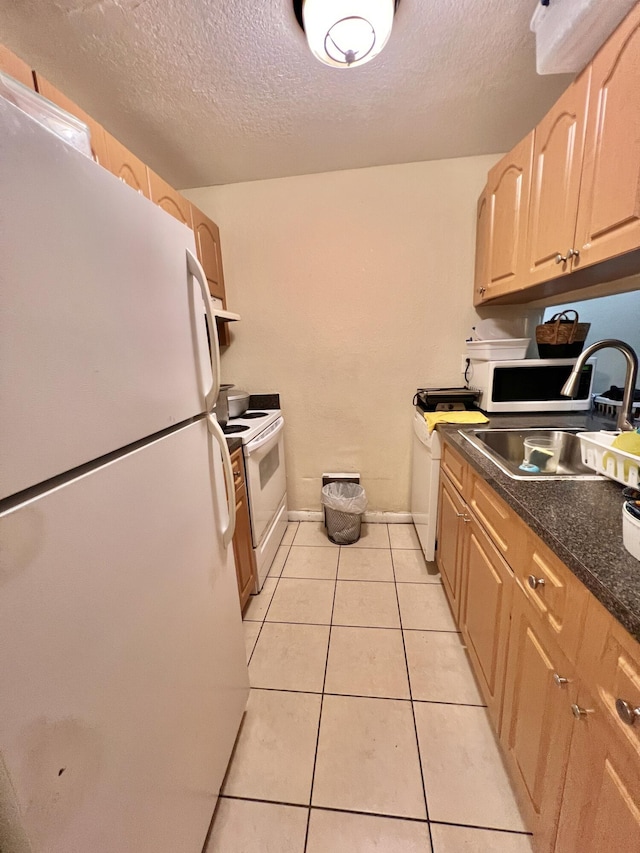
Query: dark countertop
x=581, y=521
x=233, y=443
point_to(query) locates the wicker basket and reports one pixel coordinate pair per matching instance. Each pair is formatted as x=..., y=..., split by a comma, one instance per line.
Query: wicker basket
x=562, y=336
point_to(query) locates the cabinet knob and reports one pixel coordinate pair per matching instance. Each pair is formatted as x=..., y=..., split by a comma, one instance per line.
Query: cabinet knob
x=535, y=582
x=571, y=253
x=483, y=290
x=626, y=712
x=579, y=712
x=559, y=680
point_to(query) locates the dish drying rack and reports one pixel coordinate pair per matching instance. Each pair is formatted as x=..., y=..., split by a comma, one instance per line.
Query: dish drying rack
x=610, y=408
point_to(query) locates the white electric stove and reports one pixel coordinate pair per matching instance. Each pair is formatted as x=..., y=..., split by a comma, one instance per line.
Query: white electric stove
x=261, y=433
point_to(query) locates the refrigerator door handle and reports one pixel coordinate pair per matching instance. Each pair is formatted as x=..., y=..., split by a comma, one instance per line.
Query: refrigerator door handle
x=216, y=432
x=195, y=269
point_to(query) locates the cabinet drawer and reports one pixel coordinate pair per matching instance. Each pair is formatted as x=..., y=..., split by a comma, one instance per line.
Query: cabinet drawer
x=501, y=523
x=455, y=467
x=558, y=597
x=609, y=662
x=237, y=466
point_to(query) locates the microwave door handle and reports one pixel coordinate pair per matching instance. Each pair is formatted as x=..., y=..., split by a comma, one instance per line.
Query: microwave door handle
x=216, y=432
x=195, y=269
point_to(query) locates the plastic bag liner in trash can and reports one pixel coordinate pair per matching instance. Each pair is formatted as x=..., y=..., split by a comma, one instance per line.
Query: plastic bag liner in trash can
x=344, y=504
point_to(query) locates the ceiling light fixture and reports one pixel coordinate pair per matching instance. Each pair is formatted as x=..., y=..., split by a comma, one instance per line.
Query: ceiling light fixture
x=346, y=33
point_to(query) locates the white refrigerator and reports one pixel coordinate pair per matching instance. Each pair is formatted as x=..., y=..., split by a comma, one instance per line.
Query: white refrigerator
x=122, y=668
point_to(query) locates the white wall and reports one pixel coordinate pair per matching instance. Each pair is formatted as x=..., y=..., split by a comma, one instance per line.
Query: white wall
x=616, y=316
x=354, y=288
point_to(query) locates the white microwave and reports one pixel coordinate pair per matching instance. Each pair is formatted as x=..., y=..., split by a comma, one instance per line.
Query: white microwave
x=529, y=385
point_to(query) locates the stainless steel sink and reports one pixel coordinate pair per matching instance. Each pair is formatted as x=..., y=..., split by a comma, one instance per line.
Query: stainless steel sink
x=505, y=447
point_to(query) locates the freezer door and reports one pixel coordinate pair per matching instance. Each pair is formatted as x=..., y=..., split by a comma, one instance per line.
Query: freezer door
x=122, y=659
x=102, y=331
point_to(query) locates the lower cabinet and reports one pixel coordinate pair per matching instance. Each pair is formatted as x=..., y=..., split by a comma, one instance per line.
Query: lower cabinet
x=485, y=608
x=601, y=803
x=537, y=721
x=560, y=676
x=242, y=545
x=451, y=521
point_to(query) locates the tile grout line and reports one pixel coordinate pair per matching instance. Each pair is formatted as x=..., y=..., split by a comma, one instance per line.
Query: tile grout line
x=324, y=681
x=413, y=713
x=375, y=814
x=420, y=820
x=481, y=828
x=363, y=695
x=255, y=645
x=366, y=627
x=264, y=618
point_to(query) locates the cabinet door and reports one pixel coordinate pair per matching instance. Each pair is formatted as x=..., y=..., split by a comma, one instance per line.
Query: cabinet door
x=15, y=67
x=170, y=200
x=483, y=236
x=451, y=515
x=487, y=591
x=601, y=802
x=243, y=549
x=555, y=184
x=98, y=140
x=609, y=212
x=242, y=544
x=508, y=195
x=537, y=720
x=209, y=253
x=126, y=166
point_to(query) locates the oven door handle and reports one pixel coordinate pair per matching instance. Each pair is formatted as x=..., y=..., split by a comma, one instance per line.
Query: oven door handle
x=274, y=430
x=216, y=431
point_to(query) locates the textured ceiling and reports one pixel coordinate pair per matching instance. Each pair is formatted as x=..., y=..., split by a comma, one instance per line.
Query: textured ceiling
x=210, y=92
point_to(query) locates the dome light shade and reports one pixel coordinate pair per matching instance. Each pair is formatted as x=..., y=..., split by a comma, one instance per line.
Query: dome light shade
x=346, y=33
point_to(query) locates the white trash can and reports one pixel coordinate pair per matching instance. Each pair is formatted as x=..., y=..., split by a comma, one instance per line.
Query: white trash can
x=344, y=505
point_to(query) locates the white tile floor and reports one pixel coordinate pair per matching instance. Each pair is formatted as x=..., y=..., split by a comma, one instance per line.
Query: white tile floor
x=365, y=729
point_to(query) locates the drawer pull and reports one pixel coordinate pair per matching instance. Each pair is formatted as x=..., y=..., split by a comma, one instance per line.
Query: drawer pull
x=579, y=712
x=626, y=713
x=559, y=680
x=236, y=475
x=535, y=582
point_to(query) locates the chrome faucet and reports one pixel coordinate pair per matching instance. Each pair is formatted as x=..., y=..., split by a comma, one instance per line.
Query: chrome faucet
x=570, y=387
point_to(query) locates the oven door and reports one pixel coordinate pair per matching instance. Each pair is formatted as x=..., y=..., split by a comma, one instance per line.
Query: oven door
x=266, y=478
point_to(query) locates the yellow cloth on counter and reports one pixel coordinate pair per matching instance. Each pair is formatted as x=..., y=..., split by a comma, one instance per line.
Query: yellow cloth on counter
x=435, y=418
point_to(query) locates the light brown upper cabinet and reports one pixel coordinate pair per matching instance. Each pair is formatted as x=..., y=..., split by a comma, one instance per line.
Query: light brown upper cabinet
x=208, y=246
x=170, y=200
x=98, y=139
x=483, y=233
x=15, y=67
x=609, y=211
x=502, y=224
x=584, y=203
x=555, y=185
x=126, y=166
